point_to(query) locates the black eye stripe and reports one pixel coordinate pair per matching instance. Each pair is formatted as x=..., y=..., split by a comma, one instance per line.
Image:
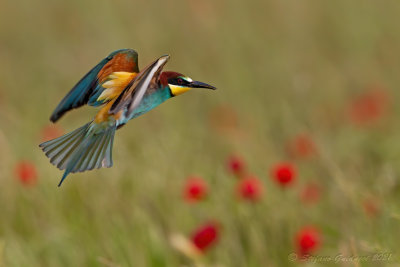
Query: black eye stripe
x=180, y=81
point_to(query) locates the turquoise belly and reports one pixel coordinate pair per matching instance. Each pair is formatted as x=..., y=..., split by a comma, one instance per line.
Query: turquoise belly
x=148, y=102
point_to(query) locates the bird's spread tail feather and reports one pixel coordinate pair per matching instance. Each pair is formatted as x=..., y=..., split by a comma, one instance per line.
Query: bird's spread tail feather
x=84, y=149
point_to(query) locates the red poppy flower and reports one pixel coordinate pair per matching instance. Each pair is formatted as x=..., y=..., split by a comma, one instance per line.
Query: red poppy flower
x=205, y=236
x=284, y=173
x=236, y=165
x=371, y=206
x=224, y=119
x=307, y=240
x=26, y=172
x=195, y=189
x=310, y=193
x=369, y=107
x=50, y=132
x=301, y=146
x=250, y=188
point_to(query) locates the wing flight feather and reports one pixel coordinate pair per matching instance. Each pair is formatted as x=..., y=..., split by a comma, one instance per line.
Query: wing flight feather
x=90, y=85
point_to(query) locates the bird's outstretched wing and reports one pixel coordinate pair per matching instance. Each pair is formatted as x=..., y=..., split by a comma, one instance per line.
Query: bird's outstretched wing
x=90, y=85
x=133, y=94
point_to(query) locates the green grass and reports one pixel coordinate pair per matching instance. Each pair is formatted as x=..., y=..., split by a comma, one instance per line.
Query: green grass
x=285, y=67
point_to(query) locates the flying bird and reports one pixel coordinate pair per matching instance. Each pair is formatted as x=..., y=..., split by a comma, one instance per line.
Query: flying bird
x=122, y=93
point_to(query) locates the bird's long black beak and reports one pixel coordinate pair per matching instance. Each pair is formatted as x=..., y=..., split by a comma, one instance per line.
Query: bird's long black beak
x=196, y=84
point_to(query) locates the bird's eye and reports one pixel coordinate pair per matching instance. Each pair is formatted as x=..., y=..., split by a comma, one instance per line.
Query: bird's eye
x=180, y=81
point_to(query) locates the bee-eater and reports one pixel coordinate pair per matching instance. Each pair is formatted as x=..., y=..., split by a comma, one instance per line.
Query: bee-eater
x=123, y=93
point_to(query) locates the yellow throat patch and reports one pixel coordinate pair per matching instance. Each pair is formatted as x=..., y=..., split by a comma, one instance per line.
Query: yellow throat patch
x=178, y=90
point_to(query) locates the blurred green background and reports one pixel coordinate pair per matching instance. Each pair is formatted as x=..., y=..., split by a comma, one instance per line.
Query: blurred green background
x=281, y=67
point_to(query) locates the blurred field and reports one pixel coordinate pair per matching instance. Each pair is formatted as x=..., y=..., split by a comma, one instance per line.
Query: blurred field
x=283, y=68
